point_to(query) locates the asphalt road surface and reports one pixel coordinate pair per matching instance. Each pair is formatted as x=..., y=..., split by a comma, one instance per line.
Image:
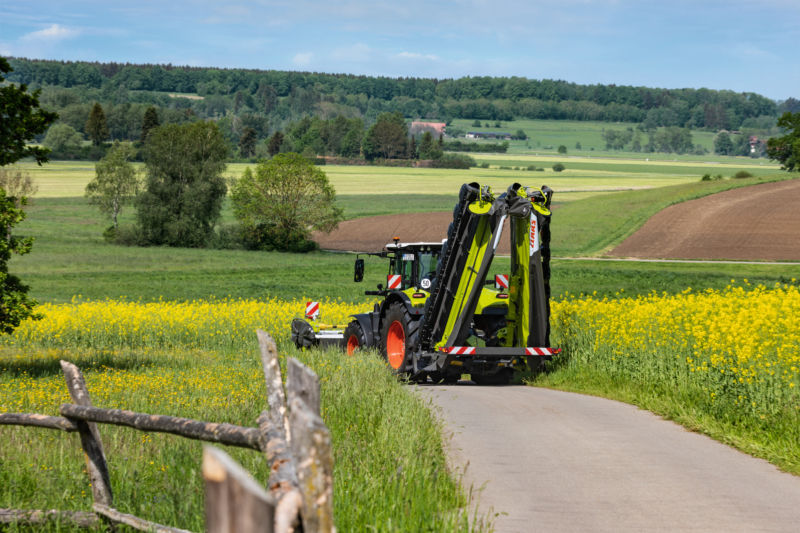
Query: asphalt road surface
x=554, y=461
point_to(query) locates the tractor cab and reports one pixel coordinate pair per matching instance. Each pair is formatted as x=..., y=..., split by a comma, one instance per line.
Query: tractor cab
x=412, y=265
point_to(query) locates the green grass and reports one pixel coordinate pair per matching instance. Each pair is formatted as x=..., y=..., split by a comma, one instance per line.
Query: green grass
x=386, y=442
x=548, y=135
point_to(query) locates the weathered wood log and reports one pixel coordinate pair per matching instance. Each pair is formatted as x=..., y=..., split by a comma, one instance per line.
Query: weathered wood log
x=76, y=518
x=303, y=383
x=311, y=447
x=276, y=399
x=282, y=483
x=273, y=427
x=229, y=434
x=235, y=502
x=37, y=420
x=96, y=464
x=134, y=521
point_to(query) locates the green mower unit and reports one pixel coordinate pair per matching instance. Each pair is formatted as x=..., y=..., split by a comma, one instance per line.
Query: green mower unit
x=438, y=318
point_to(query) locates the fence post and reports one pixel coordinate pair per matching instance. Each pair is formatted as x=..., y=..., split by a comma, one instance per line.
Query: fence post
x=273, y=427
x=90, y=438
x=235, y=502
x=311, y=448
x=303, y=383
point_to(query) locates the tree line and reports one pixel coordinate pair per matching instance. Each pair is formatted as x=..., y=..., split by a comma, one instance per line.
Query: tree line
x=280, y=96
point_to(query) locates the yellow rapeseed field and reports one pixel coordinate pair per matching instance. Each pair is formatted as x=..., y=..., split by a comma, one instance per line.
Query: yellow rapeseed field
x=739, y=345
x=122, y=341
x=163, y=324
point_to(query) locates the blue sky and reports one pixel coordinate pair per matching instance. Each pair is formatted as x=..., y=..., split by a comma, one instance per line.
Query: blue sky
x=733, y=44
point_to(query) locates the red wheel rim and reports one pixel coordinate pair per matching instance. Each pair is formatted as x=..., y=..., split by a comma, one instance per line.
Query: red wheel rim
x=396, y=345
x=352, y=344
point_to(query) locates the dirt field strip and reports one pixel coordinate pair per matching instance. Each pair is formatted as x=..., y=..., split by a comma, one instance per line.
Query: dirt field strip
x=753, y=223
x=555, y=461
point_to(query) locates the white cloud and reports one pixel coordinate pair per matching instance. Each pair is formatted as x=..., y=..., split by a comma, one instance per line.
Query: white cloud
x=54, y=32
x=414, y=55
x=302, y=59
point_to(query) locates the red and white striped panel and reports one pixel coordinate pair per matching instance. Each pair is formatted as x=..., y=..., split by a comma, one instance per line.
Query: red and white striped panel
x=393, y=281
x=312, y=310
x=501, y=281
x=541, y=351
x=461, y=350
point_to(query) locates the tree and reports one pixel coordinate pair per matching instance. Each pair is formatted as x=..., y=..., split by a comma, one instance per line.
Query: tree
x=96, y=127
x=22, y=120
x=184, y=185
x=62, y=136
x=115, y=183
x=15, y=305
x=247, y=142
x=427, y=148
x=282, y=201
x=387, y=137
x=562, y=149
x=274, y=144
x=149, y=121
x=786, y=149
x=723, y=144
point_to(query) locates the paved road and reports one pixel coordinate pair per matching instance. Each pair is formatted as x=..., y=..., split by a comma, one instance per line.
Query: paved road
x=555, y=461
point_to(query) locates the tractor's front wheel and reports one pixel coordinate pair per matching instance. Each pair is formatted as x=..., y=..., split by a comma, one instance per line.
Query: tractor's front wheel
x=354, y=338
x=398, y=336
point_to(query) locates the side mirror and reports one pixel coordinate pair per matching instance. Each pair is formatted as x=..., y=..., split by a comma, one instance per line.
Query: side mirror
x=358, y=274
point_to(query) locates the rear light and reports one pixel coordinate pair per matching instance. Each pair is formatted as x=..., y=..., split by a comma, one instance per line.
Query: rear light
x=418, y=295
x=502, y=296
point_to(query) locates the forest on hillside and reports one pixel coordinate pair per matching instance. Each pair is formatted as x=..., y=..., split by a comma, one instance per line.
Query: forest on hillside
x=266, y=101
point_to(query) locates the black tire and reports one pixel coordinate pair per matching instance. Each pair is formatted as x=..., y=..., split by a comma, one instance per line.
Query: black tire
x=399, y=332
x=503, y=377
x=354, y=338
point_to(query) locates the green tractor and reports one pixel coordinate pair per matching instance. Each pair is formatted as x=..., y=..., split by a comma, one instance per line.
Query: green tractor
x=437, y=318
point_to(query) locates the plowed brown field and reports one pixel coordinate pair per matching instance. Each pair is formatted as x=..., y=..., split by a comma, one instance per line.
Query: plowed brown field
x=372, y=233
x=761, y=222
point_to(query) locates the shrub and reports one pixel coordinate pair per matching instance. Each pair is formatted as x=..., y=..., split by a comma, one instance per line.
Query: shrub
x=460, y=161
x=706, y=177
x=742, y=174
x=558, y=167
x=485, y=164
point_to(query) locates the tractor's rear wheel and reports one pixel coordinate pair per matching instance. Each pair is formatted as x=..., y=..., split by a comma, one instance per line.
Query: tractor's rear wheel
x=398, y=337
x=354, y=338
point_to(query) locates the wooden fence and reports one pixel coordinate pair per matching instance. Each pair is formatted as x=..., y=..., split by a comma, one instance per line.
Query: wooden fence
x=291, y=434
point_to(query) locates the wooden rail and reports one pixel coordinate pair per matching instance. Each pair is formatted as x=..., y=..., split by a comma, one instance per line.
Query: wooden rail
x=290, y=433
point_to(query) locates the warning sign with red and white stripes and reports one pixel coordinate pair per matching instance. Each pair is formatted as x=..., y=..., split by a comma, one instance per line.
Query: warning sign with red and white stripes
x=312, y=310
x=541, y=351
x=393, y=281
x=501, y=281
x=461, y=350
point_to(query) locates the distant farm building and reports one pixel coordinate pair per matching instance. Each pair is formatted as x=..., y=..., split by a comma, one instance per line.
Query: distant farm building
x=488, y=135
x=435, y=128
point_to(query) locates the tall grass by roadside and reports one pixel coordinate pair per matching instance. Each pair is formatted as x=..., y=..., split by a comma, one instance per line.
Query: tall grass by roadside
x=200, y=360
x=724, y=362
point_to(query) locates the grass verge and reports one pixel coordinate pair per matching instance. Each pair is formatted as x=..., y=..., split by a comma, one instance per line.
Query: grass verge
x=389, y=472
